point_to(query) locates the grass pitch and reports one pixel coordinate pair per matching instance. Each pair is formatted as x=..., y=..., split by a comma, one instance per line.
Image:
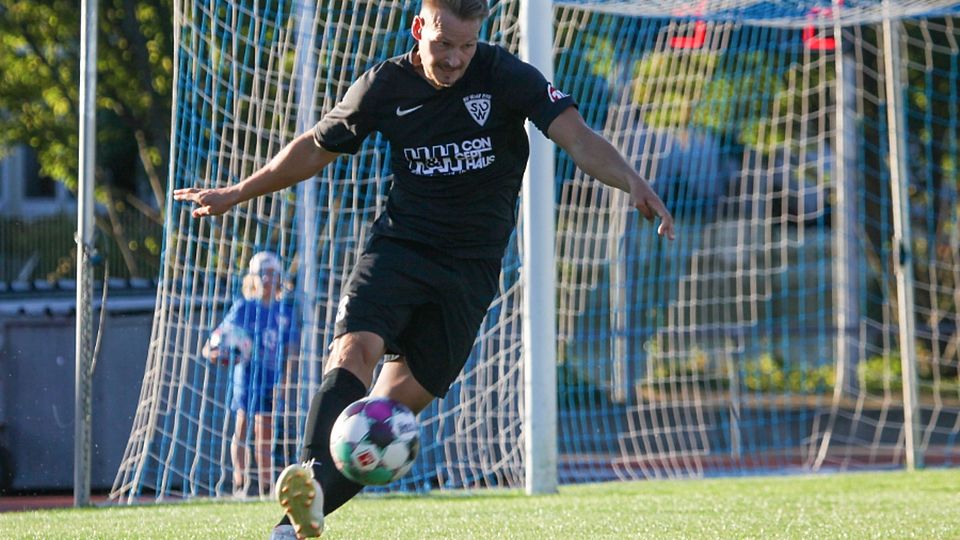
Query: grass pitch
x=859, y=505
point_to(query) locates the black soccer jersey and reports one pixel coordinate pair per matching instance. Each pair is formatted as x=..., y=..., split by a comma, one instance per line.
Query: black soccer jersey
x=457, y=154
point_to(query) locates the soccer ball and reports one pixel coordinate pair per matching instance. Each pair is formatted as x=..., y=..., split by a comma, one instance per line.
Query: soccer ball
x=375, y=441
x=232, y=341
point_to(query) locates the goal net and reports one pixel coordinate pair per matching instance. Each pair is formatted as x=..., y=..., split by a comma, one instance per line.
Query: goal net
x=788, y=139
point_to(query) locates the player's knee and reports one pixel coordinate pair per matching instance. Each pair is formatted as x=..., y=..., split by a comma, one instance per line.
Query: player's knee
x=398, y=383
x=352, y=361
x=358, y=353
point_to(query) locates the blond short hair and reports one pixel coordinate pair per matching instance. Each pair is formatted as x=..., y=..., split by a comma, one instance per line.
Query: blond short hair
x=464, y=10
x=252, y=287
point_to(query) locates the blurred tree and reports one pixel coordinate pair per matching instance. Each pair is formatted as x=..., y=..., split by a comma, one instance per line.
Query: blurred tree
x=39, y=101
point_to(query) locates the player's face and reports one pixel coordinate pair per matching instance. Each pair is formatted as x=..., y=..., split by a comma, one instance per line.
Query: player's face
x=447, y=44
x=270, y=281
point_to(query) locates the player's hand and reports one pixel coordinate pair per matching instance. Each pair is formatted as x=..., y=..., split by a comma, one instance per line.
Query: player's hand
x=209, y=201
x=213, y=354
x=650, y=206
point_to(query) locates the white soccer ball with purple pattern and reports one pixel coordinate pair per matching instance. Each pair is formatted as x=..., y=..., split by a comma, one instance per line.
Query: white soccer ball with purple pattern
x=374, y=441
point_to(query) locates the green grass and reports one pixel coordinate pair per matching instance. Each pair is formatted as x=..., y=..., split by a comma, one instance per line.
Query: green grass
x=891, y=505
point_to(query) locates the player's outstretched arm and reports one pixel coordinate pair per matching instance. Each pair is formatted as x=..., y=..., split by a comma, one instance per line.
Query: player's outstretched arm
x=598, y=158
x=299, y=160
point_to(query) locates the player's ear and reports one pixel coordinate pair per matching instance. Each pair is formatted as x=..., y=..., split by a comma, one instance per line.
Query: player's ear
x=416, y=30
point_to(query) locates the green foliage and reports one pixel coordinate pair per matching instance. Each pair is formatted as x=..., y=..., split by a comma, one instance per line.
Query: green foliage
x=884, y=373
x=769, y=373
x=40, y=79
x=671, y=99
x=39, y=104
x=742, y=94
x=765, y=373
x=881, y=373
x=599, y=53
x=741, y=100
x=694, y=365
x=39, y=66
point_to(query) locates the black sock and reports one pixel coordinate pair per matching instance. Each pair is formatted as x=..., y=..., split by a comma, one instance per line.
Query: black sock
x=337, y=488
x=339, y=389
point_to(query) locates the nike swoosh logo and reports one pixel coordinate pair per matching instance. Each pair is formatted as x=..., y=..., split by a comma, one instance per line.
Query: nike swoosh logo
x=404, y=112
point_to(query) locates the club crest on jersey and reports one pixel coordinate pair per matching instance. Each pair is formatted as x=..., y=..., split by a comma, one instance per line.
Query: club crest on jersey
x=478, y=105
x=554, y=93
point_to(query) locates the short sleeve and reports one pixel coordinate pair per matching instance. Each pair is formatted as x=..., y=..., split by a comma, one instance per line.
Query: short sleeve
x=344, y=128
x=535, y=97
x=233, y=315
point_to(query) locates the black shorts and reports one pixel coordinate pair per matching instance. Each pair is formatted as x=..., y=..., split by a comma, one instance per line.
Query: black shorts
x=425, y=304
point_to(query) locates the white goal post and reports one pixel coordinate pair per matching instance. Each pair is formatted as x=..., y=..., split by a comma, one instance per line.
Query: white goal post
x=539, y=282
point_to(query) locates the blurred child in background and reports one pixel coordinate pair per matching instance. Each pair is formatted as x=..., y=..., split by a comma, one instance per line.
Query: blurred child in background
x=259, y=339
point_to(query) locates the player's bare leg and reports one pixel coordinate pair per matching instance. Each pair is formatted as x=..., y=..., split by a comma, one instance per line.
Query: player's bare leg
x=239, y=455
x=358, y=353
x=263, y=446
x=397, y=383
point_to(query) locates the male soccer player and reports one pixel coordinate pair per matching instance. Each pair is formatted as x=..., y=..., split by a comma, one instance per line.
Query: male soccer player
x=453, y=110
